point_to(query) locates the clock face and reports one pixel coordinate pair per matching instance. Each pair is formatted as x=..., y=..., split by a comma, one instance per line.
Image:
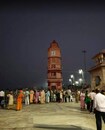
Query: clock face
x=53, y=53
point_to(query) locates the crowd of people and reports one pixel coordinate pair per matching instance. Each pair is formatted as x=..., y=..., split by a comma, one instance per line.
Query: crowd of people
x=92, y=101
x=26, y=96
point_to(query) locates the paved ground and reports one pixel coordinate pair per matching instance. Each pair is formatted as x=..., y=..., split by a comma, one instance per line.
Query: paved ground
x=52, y=116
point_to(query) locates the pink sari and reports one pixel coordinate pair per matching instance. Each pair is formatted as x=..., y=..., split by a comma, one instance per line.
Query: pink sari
x=36, y=97
x=82, y=102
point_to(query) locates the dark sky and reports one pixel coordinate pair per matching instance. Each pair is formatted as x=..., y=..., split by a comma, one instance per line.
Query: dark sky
x=27, y=29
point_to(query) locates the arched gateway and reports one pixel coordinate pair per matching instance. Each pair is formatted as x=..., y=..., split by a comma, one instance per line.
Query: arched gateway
x=54, y=73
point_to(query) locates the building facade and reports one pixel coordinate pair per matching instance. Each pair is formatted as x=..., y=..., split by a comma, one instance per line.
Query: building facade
x=54, y=67
x=97, y=72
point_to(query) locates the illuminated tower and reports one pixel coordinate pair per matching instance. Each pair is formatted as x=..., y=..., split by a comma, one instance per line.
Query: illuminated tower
x=54, y=73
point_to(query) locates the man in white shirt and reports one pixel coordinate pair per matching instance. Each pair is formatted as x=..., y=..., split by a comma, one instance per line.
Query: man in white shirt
x=99, y=106
x=69, y=93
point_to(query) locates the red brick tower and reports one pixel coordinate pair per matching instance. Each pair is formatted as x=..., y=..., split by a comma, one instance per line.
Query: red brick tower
x=54, y=74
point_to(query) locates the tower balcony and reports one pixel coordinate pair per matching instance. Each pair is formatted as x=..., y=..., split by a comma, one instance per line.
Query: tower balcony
x=54, y=70
x=54, y=80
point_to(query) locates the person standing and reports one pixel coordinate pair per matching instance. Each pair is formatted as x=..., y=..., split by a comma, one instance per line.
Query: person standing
x=26, y=94
x=42, y=97
x=82, y=98
x=2, y=94
x=99, y=109
x=19, y=100
x=36, y=96
x=58, y=96
x=91, y=95
x=69, y=93
x=77, y=96
x=10, y=100
x=31, y=96
x=47, y=95
x=87, y=100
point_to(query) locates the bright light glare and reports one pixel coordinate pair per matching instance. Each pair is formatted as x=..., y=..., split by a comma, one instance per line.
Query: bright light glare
x=76, y=82
x=72, y=76
x=80, y=79
x=70, y=80
x=80, y=71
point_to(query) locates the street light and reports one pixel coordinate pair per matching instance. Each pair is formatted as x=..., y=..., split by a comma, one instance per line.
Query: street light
x=82, y=74
x=76, y=83
x=80, y=81
x=72, y=76
x=70, y=80
x=80, y=71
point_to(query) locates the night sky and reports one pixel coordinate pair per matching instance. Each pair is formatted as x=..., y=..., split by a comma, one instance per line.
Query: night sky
x=27, y=29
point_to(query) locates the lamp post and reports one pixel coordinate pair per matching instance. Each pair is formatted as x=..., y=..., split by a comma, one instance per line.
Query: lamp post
x=82, y=74
x=80, y=81
x=84, y=60
x=76, y=83
x=71, y=79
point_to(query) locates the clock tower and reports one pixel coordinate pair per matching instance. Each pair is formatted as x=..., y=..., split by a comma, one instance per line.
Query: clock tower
x=54, y=67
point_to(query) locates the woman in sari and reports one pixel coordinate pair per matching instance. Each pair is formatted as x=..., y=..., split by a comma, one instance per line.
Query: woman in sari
x=10, y=100
x=82, y=100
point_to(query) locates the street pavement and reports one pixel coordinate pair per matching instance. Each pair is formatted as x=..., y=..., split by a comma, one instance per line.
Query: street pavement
x=51, y=116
